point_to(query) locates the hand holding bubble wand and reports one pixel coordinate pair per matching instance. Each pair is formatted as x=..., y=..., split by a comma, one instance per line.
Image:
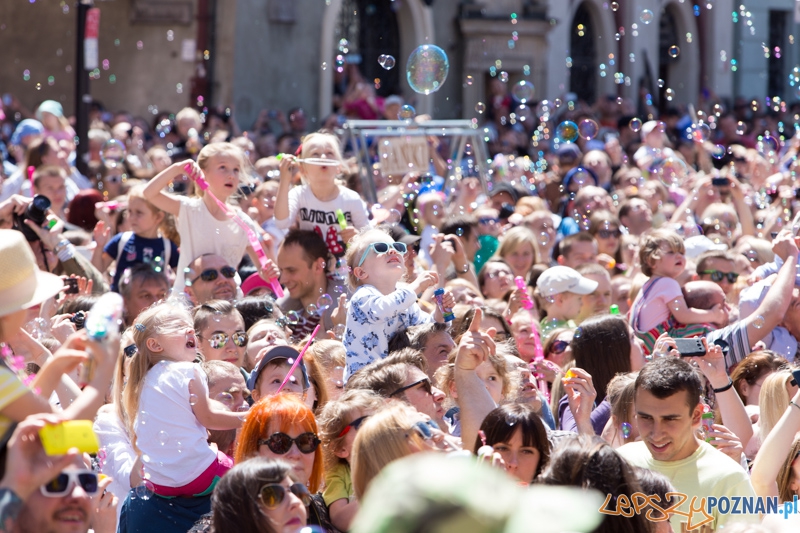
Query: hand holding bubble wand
x=538, y=357
x=299, y=358
x=316, y=161
x=197, y=175
x=526, y=302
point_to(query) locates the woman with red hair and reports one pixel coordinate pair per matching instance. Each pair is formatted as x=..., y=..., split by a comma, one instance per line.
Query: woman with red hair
x=282, y=427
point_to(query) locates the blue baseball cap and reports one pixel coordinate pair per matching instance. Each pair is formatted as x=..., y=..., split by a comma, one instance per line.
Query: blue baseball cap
x=27, y=127
x=278, y=352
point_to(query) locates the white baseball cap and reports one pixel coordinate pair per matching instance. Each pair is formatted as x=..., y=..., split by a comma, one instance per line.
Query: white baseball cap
x=558, y=279
x=700, y=244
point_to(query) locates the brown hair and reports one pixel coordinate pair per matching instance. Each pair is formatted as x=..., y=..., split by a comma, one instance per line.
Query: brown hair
x=337, y=415
x=650, y=247
x=753, y=367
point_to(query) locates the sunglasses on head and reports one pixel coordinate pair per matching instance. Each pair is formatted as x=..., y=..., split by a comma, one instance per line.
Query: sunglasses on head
x=281, y=443
x=219, y=340
x=383, y=248
x=272, y=495
x=718, y=276
x=559, y=347
x=61, y=485
x=212, y=273
x=355, y=424
x=425, y=382
x=608, y=233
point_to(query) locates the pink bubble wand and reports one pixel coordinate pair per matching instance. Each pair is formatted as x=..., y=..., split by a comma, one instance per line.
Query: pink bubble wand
x=538, y=356
x=299, y=358
x=526, y=303
x=252, y=238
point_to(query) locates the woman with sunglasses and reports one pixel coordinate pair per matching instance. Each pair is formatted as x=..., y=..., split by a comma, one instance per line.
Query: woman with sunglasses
x=379, y=308
x=604, y=227
x=283, y=427
x=220, y=330
x=257, y=489
x=558, y=346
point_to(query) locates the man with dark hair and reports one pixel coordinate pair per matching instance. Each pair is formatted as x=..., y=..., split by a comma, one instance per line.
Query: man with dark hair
x=577, y=249
x=635, y=214
x=717, y=266
x=210, y=277
x=431, y=339
x=668, y=411
x=140, y=287
x=303, y=260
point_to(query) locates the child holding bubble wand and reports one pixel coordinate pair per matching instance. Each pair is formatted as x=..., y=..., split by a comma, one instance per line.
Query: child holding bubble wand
x=210, y=224
x=165, y=407
x=314, y=204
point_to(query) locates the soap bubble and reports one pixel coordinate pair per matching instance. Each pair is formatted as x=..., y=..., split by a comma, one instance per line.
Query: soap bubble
x=164, y=128
x=163, y=437
x=113, y=153
x=567, y=131
x=324, y=302
x=674, y=51
x=626, y=430
x=758, y=322
x=226, y=399
x=503, y=76
x=293, y=317
x=469, y=80
x=394, y=217
x=544, y=238
x=145, y=490
x=577, y=334
x=427, y=68
x=671, y=171
x=614, y=6
x=192, y=399
x=635, y=124
x=768, y=145
x=407, y=112
x=312, y=309
x=718, y=151
x=243, y=410
x=480, y=107
x=669, y=94
x=647, y=16
x=588, y=129
x=581, y=177
x=523, y=91
x=700, y=132
x=386, y=61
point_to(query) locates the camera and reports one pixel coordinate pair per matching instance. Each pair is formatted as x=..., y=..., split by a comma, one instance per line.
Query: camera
x=79, y=319
x=36, y=212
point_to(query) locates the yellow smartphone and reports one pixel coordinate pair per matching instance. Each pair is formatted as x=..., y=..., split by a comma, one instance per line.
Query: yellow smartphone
x=59, y=439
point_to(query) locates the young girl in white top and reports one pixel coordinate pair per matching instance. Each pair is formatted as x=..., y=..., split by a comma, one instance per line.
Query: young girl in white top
x=314, y=205
x=660, y=306
x=165, y=406
x=204, y=227
x=379, y=307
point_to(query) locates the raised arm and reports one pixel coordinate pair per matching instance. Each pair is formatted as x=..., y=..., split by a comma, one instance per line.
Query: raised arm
x=772, y=454
x=154, y=190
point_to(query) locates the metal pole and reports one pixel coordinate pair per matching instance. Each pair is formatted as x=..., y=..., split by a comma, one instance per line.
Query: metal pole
x=83, y=95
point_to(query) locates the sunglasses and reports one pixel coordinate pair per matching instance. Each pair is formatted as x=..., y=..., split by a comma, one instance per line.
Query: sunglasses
x=272, y=495
x=130, y=350
x=425, y=382
x=383, y=248
x=61, y=485
x=559, y=347
x=424, y=429
x=281, y=443
x=212, y=273
x=718, y=276
x=355, y=424
x=488, y=220
x=608, y=233
x=219, y=340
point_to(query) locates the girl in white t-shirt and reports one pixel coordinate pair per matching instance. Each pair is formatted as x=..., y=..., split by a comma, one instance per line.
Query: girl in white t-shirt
x=660, y=306
x=204, y=227
x=166, y=409
x=319, y=204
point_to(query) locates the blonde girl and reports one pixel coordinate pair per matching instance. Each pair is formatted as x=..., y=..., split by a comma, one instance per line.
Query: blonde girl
x=165, y=409
x=518, y=249
x=314, y=204
x=204, y=227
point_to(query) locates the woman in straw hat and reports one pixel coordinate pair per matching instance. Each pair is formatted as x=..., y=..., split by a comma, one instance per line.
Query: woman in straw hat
x=23, y=286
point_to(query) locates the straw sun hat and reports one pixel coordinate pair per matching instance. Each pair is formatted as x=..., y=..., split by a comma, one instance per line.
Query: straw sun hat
x=22, y=284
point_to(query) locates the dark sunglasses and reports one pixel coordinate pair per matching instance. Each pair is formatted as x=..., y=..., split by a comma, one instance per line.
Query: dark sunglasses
x=608, y=233
x=355, y=424
x=488, y=220
x=219, y=340
x=62, y=483
x=425, y=382
x=718, y=276
x=212, y=273
x=130, y=350
x=272, y=495
x=281, y=443
x=558, y=347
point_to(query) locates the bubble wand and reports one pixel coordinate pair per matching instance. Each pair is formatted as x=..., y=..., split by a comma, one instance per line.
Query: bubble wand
x=197, y=176
x=526, y=303
x=538, y=356
x=299, y=358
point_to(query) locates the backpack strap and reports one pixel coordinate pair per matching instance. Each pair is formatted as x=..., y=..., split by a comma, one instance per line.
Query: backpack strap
x=123, y=242
x=167, y=250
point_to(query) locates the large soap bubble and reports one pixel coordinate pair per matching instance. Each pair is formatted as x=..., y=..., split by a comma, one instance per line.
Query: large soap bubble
x=427, y=69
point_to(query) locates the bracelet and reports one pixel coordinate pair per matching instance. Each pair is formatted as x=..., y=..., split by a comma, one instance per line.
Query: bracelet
x=726, y=387
x=792, y=403
x=466, y=269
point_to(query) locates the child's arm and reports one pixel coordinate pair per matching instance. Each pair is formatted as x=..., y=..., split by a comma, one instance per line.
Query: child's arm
x=154, y=193
x=210, y=413
x=282, y=208
x=689, y=315
x=100, y=259
x=342, y=513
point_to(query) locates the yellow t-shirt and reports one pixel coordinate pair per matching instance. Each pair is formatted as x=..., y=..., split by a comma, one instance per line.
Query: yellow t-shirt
x=11, y=389
x=707, y=472
x=338, y=485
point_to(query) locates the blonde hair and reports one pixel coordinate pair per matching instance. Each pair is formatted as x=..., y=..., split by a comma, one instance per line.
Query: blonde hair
x=383, y=438
x=327, y=353
x=152, y=322
x=513, y=239
x=650, y=247
x=215, y=149
x=332, y=139
x=772, y=401
x=337, y=415
x=356, y=250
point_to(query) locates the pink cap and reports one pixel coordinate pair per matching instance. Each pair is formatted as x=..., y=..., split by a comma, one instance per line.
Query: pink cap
x=253, y=282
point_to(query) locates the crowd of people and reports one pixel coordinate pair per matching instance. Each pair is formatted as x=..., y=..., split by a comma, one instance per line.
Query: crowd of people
x=600, y=334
